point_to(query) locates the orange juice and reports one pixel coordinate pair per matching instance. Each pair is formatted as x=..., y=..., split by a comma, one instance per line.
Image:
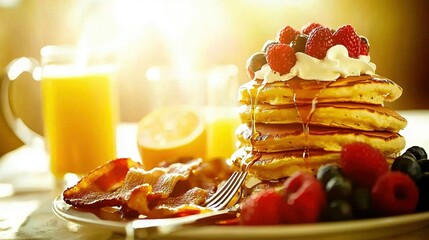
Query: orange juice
x=79, y=121
x=221, y=126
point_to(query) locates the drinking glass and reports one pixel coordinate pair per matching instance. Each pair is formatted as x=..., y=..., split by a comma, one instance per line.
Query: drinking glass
x=79, y=105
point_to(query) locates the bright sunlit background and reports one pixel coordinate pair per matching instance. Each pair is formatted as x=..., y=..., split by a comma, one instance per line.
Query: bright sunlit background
x=191, y=35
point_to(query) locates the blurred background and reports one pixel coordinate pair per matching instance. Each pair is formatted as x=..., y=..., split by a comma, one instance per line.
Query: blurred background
x=193, y=34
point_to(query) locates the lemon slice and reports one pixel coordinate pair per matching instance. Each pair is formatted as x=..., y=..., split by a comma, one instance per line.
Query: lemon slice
x=170, y=133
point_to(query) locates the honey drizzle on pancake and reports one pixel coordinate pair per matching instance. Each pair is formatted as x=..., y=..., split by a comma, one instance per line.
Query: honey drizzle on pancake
x=252, y=155
x=302, y=91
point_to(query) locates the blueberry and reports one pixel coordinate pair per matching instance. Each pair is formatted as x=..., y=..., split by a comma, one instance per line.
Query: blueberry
x=409, y=155
x=408, y=166
x=338, y=187
x=267, y=45
x=257, y=60
x=328, y=171
x=361, y=202
x=338, y=210
x=418, y=152
x=423, y=185
x=424, y=165
x=299, y=44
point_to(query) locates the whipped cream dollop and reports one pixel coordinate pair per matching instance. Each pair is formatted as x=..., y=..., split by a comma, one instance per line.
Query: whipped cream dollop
x=336, y=63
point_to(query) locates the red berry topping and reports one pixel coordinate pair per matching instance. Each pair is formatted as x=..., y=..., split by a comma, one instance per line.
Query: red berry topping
x=318, y=43
x=281, y=58
x=287, y=35
x=394, y=193
x=304, y=199
x=261, y=208
x=347, y=36
x=364, y=46
x=310, y=27
x=362, y=163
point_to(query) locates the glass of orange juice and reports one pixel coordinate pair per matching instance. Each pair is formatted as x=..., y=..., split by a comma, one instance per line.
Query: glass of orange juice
x=79, y=107
x=221, y=111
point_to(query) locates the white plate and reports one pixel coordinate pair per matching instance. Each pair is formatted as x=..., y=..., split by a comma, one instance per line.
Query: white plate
x=355, y=229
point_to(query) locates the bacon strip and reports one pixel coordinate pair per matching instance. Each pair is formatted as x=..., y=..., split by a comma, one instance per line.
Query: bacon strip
x=95, y=188
x=177, y=190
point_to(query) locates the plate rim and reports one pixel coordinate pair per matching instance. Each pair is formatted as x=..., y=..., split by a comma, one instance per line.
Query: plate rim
x=229, y=232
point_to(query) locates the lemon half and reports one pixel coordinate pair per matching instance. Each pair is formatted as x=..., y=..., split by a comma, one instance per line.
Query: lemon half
x=170, y=133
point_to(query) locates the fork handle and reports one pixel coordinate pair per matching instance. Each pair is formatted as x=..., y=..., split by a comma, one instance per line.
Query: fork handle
x=152, y=228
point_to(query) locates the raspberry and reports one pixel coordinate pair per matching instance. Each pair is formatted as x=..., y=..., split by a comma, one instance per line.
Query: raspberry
x=362, y=163
x=287, y=35
x=347, y=36
x=318, y=43
x=261, y=208
x=281, y=58
x=310, y=27
x=304, y=199
x=394, y=193
x=364, y=46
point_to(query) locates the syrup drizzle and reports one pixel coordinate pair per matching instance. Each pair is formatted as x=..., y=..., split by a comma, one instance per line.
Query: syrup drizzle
x=253, y=155
x=302, y=91
x=305, y=99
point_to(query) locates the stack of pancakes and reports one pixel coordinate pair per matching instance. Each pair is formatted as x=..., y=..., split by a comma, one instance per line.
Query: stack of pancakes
x=301, y=124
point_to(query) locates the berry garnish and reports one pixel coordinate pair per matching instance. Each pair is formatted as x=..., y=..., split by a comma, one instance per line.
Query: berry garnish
x=361, y=202
x=364, y=46
x=338, y=210
x=304, y=199
x=338, y=188
x=299, y=43
x=394, y=193
x=362, y=163
x=347, y=37
x=281, y=58
x=255, y=62
x=423, y=186
x=318, y=43
x=261, y=208
x=424, y=165
x=268, y=44
x=287, y=35
x=418, y=152
x=407, y=165
x=327, y=172
x=310, y=27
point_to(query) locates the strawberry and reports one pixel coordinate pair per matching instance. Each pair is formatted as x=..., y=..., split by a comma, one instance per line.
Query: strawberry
x=310, y=27
x=318, y=43
x=364, y=46
x=304, y=199
x=261, y=208
x=281, y=58
x=347, y=37
x=394, y=193
x=287, y=35
x=362, y=163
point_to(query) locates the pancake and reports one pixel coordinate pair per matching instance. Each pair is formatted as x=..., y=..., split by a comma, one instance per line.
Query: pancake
x=281, y=137
x=272, y=166
x=345, y=115
x=371, y=89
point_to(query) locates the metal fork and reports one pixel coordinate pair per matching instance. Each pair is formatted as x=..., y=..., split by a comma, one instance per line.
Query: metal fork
x=151, y=228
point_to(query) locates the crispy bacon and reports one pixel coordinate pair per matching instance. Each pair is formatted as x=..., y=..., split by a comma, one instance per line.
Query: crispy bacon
x=95, y=188
x=175, y=190
x=188, y=203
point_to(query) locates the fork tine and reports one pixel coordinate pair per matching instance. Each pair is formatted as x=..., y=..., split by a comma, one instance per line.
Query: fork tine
x=219, y=192
x=224, y=195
